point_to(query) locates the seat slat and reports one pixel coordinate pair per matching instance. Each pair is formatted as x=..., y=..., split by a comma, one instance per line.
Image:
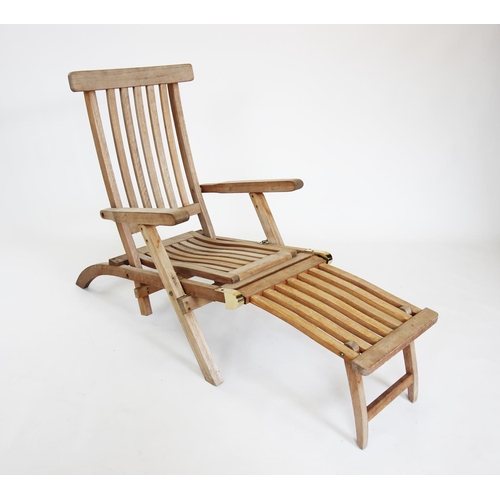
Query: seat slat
x=369, y=287
x=189, y=252
x=134, y=151
x=244, y=244
x=313, y=316
x=218, y=264
x=229, y=250
x=355, y=302
x=313, y=286
x=120, y=149
x=160, y=151
x=363, y=294
x=211, y=273
x=196, y=250
x=329, y=312
x=146, y=147
x=304, y=326
x=263, y=247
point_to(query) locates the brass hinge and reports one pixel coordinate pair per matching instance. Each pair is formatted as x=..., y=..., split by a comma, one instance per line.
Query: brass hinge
x=324, y=255
x=232, y=298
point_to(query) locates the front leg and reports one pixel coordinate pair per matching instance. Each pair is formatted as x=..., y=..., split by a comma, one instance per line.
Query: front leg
x=175, y=291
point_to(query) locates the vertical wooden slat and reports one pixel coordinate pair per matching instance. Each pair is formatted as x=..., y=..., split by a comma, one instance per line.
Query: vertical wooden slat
x=120, y=150
x=192, y=178
x=169, y=132
x=102, y=149
x=134, y=152
x=160, y=152
x=146, y=147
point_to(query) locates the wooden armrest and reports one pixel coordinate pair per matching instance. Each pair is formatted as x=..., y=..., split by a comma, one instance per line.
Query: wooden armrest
x=146, y=216
x=259, y=186
x=396, y=341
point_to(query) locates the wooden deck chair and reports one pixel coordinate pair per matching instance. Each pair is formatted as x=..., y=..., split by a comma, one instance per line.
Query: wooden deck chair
x=151, y=181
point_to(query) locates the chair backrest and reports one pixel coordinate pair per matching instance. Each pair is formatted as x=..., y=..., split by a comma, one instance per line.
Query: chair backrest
x=142, y=134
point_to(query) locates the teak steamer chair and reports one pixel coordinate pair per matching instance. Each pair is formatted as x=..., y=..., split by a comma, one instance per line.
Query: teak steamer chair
x=359, y=322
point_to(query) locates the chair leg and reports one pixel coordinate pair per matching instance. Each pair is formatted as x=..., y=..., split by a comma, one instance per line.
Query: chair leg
x=359, y=405
x=144, y=304
x=411, y=368
x=199, y=345
x=363, y=413
x=134, y=259
x=188, y=320
x=92, y=272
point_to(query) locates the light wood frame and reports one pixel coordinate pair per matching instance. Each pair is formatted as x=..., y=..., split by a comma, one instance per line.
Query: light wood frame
x=151, y=181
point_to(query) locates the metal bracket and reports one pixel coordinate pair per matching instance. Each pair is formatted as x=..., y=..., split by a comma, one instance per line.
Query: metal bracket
x=324, y=255
x=232, y=298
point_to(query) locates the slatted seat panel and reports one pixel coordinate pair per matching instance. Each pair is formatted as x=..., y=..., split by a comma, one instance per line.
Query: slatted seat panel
x=344, y=313
x=222, y=260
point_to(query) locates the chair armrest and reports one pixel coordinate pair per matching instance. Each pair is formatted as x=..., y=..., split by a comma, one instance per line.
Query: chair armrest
x=259, y=186
x=146, y=216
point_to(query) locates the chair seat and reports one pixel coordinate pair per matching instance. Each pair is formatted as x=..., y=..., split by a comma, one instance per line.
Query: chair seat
x=223, y=260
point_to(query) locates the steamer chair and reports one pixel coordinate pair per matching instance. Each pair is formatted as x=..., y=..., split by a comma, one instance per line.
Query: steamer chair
x=153, y=185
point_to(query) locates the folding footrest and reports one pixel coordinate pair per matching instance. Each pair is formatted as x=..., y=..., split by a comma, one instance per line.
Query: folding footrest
x=349, y=316
x=356, y=320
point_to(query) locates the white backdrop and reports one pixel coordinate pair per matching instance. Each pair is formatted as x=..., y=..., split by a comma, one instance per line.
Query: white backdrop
x=394, y=130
